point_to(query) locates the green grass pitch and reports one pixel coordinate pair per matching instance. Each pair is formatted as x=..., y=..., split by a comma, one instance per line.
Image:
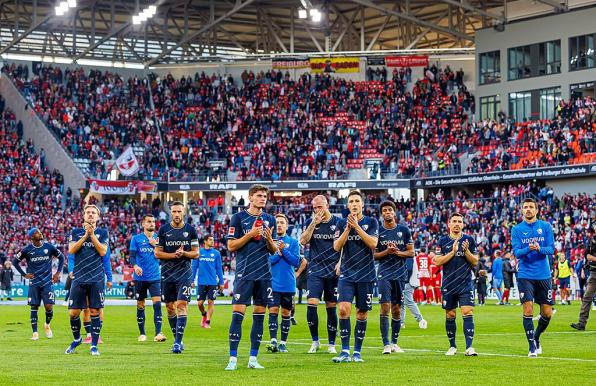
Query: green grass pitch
x=569, y=357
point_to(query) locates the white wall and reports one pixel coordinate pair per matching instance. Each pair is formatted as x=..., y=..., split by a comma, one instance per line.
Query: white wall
x=573, y=185
x=560, y=26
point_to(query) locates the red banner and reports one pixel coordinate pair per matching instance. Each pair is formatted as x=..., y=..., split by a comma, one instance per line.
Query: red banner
x=406, y=61
x=122, y=187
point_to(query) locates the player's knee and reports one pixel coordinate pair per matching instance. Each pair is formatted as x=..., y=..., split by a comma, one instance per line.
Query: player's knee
x=48, y=307
x=94, y=312
x=210, y=303
x=384, y=309
x=396, y=312
x=200, y=303
x=313, y=301
x=344, y=310
x=74, y=313
x=450, y=314
x=329, y=304
x=285, y=312
x=141, y=305
x=274, y=310
x=361, y=315
x=34, y=308
x=259, y=309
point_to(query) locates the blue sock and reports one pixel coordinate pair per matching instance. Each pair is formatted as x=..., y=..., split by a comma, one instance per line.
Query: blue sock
x=384, y=321
x=173, y=323
x=95, y=330
x=542, y=325
x=49, y=315
x=33, y=318
x=529, y=328
x=451, y=328
x=285, y=327
x=344, y=333
x=499, y=295
x=75, y=326
x=395, y=329
x=141, y=320
x=273, y=325
x=157, y=317
x=469, y=330
x=87, y=326
x=256, y=333
x=312, y=318
x=332, y=324
x=180, y=326
x=359, y=332
x=235, y=333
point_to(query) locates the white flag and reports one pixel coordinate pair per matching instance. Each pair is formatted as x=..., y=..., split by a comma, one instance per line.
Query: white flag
x=127, y=162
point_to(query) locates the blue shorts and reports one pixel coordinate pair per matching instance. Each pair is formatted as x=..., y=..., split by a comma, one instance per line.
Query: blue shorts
x=142, y=287
x=538, y=291
x=86, y=295
x=258, y=290
x=317, y=286
x=283, y=299
x=206, y=292
x=391, y=291
x=564, y=282
x=362, y=291
x=37, y=294
x=452, y=301
x=173, y=291
x=497, y=283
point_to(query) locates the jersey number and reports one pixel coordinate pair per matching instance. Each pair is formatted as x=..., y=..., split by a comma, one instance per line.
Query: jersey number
x=186, y=290
x=269, y=293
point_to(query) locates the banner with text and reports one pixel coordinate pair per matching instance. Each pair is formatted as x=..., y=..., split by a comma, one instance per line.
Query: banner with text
x=407, y=61
x=290, y=63
x=330, y=65
x=122, y=187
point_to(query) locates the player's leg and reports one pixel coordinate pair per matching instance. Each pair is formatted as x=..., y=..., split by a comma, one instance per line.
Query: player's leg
x=211, y=296
x=182, y=300
x=346, y=293
x=586, y=303
x=314, y=294
x=155, y=293
x=242, y=296
x=141, y=295
x=76, y=303
x=385, y=307
x=542, y=297
x=286, y=314
x=413, y=307
x=430, y=297
x=49, y=308
x=34, y=301
x=397, y=301
x=262, y=295
x=450, y=326
x=364, y=295
x=201, y=296
x=169, y=296
x=330, y=286
x=96, y=297
x=273, y=324
x=526, y=297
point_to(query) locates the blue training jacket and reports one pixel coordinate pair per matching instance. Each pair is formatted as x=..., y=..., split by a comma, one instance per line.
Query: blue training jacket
x=208, y=266
x=283, y=278
x=533, y=264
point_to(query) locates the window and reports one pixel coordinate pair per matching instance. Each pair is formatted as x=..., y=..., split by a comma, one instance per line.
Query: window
x=520, y=105
x=490, y=107
x=535, y=60
x=549, y=99
x=490, y=67
x=581, y=52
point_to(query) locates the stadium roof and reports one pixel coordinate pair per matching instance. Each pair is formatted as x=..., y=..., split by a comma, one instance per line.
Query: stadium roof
x=195, y=30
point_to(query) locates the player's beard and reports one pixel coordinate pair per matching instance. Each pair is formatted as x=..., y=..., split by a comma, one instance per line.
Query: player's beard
x=177, y=221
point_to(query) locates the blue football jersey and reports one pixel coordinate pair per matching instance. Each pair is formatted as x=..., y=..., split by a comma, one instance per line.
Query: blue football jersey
x=457, y=272
x=252, y=260
x=170, y=239
x=39, y=262
x=533, y=264
x=145, y=258
x=88, y=263
x=357, y=260
x=209, y=267
x=393, y=267
x=322, y=258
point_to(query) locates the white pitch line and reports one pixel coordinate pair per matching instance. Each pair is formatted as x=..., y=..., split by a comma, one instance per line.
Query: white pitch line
x=479, y=354
x=492, y=334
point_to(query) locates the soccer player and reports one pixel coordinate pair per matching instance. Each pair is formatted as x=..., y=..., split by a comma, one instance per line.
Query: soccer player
x=563, y=272
x=321, y=282
x=423, y=261
x=38, y=255
x=89, y=246
x=356, y=239
x=497, y=275
x=146, y=276
x=283, y=280
x=209, y=269
x=177, y=245
x=394, y=247
x=251, y=236
x=457, y=255
x=533, y=243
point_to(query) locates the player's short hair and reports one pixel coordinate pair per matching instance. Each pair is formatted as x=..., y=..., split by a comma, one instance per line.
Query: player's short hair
x=456, y=214
x=530, y=199
x=177, y=203
x=387, y=203
x=257, y=188
x=91, y=206
x=207, y=237
x=356, y=193
x=282, y=215
x=145, y=216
